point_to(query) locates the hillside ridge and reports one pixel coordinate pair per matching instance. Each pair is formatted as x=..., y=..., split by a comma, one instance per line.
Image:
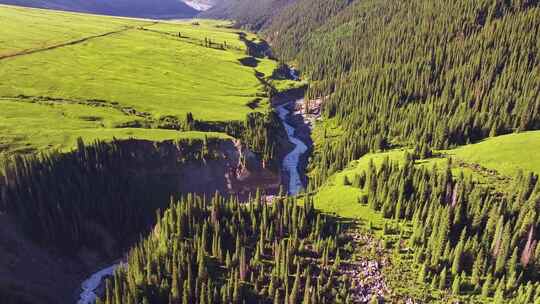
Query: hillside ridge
x=154, y=9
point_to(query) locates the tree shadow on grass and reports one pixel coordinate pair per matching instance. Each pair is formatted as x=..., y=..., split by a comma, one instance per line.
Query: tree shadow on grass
x=251, y=62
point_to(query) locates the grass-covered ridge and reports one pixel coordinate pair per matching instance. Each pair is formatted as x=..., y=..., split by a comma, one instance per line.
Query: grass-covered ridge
x=31, y=127
x=505, y=155
x=48, y=28
x=150, y=71
x=69, y=75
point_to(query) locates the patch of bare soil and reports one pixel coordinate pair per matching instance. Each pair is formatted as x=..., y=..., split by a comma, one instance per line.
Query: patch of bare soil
x=366, y=274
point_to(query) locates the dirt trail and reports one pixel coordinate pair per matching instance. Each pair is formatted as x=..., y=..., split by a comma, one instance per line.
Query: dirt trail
x=67, y=43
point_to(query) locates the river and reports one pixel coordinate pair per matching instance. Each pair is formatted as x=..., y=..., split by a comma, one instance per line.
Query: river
x=89, y=286
x=290, y=163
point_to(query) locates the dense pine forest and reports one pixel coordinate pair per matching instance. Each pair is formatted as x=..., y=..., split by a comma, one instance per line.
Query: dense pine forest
x=253, y=15
x=427, y=75
x=222, y=251
x=467, y=237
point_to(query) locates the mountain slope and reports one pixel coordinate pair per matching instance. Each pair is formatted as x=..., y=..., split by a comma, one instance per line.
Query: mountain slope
x=290, y=29
x=140, y=84
x=429, y=75
x=161, y=9
x=201, y=5
x=254, y=15
x=467, y=68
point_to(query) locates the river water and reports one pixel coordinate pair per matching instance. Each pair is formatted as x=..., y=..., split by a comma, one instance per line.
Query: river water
x=291, y=162
x=89, y=286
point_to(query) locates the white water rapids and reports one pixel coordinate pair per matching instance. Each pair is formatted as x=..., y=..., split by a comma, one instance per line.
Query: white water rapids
x=292, y=160
x=89, y=286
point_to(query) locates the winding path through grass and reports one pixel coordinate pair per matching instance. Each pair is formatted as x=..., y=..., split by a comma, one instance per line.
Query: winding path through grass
x=67, y=43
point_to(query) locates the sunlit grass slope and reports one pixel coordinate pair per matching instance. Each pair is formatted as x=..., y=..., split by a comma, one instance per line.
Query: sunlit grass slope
x=30, y=127
x=505, y=154
x=197, y=30
x=26, y=29
x=74, y=60
x=149, y=71
x=335, y=197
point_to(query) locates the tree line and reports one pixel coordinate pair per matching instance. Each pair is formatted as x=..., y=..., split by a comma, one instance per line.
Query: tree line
x=259, y=131
x=221, y=251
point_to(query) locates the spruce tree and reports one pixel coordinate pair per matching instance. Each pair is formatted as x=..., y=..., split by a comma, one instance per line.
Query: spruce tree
x=442, y=279
x=456, y=285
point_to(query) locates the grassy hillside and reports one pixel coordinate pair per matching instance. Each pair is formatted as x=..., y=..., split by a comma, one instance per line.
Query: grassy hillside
x=336, y=197
x=30, y=127
x=48, y=28
x=67, y=75
x=505, y=154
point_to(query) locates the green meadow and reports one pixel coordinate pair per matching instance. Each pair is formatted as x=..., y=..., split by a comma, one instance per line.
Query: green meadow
x=69, y=75
x=197, y=30
x=29, y=29
x=505, y=154
x=32, y=127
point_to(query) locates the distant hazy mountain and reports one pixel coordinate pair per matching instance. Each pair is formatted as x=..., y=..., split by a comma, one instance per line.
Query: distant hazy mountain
x=201, y=5
x=163, y=9
x=253, y=14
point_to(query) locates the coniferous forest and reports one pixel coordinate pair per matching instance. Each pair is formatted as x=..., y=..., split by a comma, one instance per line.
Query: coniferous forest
x=465, y=236
x=427, y=75
x=407, y=73
x=223, y=251
x=102, y=193
x=422, y=79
